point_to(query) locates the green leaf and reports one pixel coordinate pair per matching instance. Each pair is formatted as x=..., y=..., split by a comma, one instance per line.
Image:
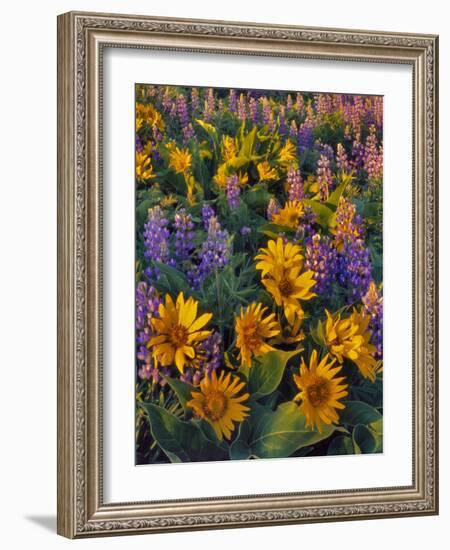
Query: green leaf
x=324, y=213
x=357, y=412
x=177, y=282
x=364, y=438
x=273, y=230
x=333, y=199
x=341, y=445
x=257, y=197
x=240, y=449
x=181, y=441
x=266, y=373
x=279, y=434
x=182, y=390
x=248, y=144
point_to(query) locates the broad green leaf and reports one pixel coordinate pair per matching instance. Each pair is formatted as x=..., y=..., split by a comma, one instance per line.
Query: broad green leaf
x=240, y=449
x=182, y=390
x=337, y=193
x=266, y=373
x=341, y=445
x=176, y=280
x=181, y=441
x=324, y=213
x=365, y=439
x=358, y=412
x=278, y=434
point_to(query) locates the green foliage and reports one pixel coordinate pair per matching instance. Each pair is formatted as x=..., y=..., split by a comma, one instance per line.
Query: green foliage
x=181, y=441
x=358, y=412
x=280, y=433
x=267, y=372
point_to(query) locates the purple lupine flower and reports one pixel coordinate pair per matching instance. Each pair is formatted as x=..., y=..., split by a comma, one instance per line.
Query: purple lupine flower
x=349, y=224
x=182, y=110
x=324, y=177
x=299, y=104
x=354, y=272
x=242, y=108
x=373, y=156
x=232, y=101
x=305, y=138
x=341, y=158
x=233, y=191
x=358, y=151
x=266, y=110
x=157, y=134
x=215, y=252
x=245, y=231
x=207, y=213
x=296, y=191
x=167, y=102
x=321, y=258
x=210, y=358
x=293, y=130
x=195, y=100
x=324, y=149
x=324, y=104
x=289, y=103
x=188, y=132
x=184, y=235
x=272, y=208
x=373, y=305
x=210, y=105
x=156, y=239
x=139, y=145
x=147, y=306
x=306, y=227
x=253, y=108
x=173, y=110
x=272, y=123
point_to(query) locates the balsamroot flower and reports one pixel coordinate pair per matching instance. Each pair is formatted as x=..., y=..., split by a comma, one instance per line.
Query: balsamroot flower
x=253, y=329
x=178, y=332
x=350, y=338
x=320, y=391
x=219, y=404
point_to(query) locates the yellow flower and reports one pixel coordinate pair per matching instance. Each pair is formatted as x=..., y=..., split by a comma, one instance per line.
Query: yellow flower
x=217, y=403
x=178, y=332
x=320, y=391
x=146, y=113
x=277, y=255
x=266, y=172
x=144, y=168
x=287, y=153
x=180, y=160
x=288, y=287
x=350, y=338
x=221, y=176
x=228, y=148
x=289, y=215
x=168, y=200
x=253, y=331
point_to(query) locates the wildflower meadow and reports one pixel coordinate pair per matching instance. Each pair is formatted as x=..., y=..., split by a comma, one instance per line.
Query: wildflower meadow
x=259, y=281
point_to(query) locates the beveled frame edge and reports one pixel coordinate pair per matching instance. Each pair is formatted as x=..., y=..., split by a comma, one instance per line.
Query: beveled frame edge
x=80, y=508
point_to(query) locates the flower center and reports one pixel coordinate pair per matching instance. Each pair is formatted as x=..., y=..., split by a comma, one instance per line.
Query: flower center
x=318, y=393
x=286, y=287
x=252, y=340
x=215, y=405
x=179, y=336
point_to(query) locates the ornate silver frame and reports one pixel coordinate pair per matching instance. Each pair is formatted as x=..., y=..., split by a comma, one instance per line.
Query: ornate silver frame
x=81, y=39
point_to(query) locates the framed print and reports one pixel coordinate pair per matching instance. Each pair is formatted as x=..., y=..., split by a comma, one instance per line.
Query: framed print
x=247, y=284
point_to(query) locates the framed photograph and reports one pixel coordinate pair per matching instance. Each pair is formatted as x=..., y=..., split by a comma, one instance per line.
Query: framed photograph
x=247, y=288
